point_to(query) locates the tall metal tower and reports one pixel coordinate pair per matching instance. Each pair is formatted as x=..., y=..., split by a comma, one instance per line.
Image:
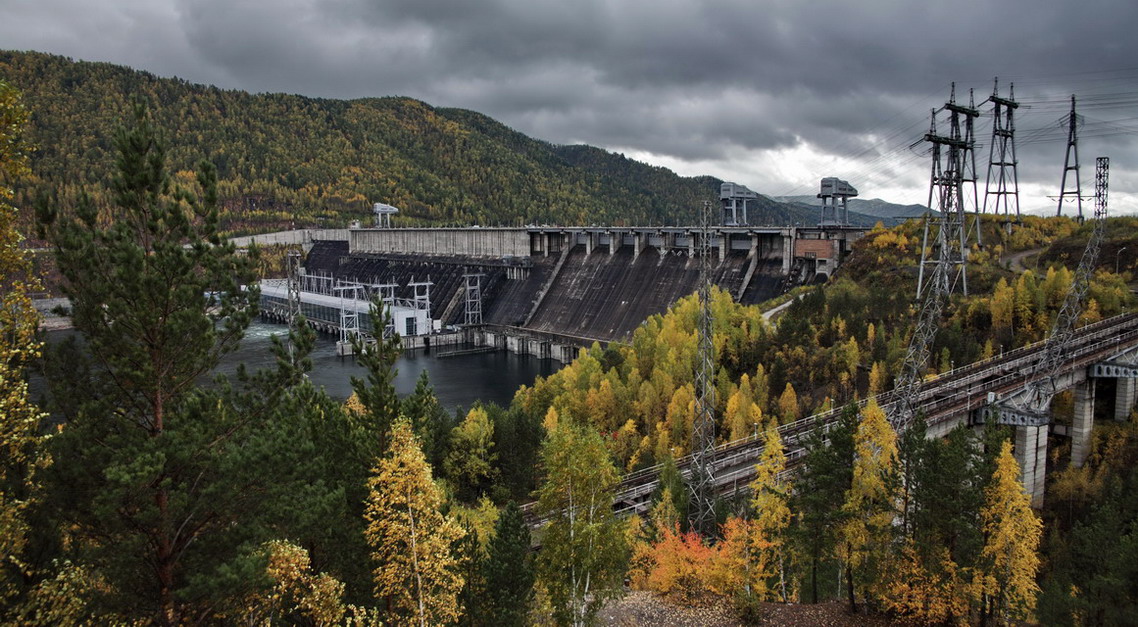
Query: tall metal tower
x=293, y=284
x=701, y=479
x=473, y=298
x=946, y=196
x=1002, y=157
x=1072, y=149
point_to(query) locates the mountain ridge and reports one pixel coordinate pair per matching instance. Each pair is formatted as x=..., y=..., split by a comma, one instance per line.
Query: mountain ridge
x=287, y=160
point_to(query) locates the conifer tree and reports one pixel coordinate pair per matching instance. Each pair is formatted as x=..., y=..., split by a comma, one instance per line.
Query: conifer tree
x=582, y=560
x=416, y=573
x=147, y=465
x=509, y=572
x=1012, y=531
x=819, y=489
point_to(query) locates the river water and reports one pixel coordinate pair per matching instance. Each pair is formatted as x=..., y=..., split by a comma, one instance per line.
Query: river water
x=458, y=381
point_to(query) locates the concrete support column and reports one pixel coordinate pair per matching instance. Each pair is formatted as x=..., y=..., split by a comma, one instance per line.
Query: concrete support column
x=1083, y=422
x=1031, y=454
x=787, y=253
x=588, y=243
x=1124, y=398
x=723, y=242
x=613, y=245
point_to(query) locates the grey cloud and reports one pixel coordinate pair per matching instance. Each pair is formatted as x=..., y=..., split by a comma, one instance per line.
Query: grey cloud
x=691, y=80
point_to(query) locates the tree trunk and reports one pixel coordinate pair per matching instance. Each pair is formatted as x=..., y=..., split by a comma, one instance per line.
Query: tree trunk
x=850, y=588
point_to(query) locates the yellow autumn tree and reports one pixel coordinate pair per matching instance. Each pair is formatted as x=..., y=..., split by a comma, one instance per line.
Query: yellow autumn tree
x=416, y=572
x=870, y=505
x=296, y=592
x=1009, y=561
x=19, y=418
x=770, y=492
x=788, y=404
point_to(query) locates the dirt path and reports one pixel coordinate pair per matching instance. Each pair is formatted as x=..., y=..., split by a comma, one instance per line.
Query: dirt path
x=639, y=608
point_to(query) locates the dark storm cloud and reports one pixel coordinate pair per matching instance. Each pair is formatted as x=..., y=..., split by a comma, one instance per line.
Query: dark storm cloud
x=687, y=81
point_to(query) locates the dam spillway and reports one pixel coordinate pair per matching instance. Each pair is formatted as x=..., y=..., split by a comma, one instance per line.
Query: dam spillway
x=578, y=284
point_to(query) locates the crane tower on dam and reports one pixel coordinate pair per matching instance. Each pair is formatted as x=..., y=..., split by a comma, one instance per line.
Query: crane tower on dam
x=835, y=194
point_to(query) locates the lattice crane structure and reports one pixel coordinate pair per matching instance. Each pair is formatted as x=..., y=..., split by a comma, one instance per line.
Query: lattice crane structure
x=701, y=479
x=1030, y=407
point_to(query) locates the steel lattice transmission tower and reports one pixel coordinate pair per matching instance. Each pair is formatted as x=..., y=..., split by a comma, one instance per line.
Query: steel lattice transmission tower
x=1030, y=407
x=1072, y=149
x=293, y=284
x=953, y=165
x=1002, y=157
x=701, y=478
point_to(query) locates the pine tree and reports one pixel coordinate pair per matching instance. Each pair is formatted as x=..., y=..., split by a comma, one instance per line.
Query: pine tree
x=869, y=505
x=416, y=573
x=19, y=418
x=1012, y=532
x=582, y=560
x=820, y=488
x=147, y=467
x=509, y=570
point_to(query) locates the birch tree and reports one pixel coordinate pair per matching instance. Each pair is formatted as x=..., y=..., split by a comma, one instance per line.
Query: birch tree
x=582, y=560
x=416, y=573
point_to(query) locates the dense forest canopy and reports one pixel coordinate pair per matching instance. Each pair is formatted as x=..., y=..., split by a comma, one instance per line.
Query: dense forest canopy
x=287, y=160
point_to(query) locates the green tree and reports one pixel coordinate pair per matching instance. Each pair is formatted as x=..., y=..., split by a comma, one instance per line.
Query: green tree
x=583, y=554
x=416, y=573
x=376, y=392
x=430, y=420
x=470, y=464
x=142, y=474
x=19, y=418
x=820, y=489
x=509, y=571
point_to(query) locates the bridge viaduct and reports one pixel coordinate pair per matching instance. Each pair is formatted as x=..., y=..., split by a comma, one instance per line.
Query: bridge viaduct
x=1107, y=350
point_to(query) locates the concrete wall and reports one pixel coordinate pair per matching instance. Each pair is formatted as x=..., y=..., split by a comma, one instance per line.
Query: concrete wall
x=498, y=242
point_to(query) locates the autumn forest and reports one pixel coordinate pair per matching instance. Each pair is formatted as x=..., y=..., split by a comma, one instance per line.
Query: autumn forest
x=147, y=491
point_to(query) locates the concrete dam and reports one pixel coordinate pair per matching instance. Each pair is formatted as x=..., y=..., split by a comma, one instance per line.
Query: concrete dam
x=548, y=290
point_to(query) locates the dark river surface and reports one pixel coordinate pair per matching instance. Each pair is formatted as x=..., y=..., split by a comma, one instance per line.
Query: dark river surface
x=458, y=381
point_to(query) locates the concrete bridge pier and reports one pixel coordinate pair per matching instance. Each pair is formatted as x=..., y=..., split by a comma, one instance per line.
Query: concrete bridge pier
x=1083, y=422
x=1031, y=455
x=1126, y=394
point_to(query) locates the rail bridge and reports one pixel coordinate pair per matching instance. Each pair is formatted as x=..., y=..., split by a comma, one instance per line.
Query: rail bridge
x=1104, y=350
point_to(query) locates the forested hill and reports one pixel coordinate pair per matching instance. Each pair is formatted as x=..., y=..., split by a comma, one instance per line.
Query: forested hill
x=287, y=159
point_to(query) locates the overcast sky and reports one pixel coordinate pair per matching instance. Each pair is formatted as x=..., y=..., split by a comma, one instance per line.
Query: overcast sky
x=772, y=94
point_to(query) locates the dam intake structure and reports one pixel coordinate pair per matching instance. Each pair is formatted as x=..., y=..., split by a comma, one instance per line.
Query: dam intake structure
x=549, y=290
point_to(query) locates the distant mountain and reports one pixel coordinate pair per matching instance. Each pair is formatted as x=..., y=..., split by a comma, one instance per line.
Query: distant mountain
x=874, y=207
x=286, y=160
